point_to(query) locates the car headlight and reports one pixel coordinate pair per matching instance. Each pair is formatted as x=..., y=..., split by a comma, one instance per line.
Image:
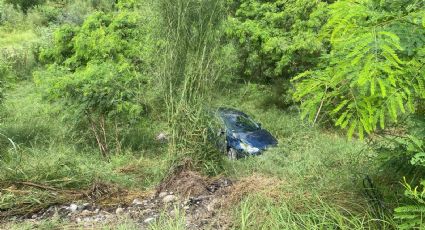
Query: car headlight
x=249, y=149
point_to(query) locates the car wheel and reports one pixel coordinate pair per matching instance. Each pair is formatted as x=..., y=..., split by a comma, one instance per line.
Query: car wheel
x=232, y=154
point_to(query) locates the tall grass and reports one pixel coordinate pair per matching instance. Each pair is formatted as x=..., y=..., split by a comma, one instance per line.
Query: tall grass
x=189, y=73
x=312, y=180
x=259, y=212
x=166, y=222
x=46, y=153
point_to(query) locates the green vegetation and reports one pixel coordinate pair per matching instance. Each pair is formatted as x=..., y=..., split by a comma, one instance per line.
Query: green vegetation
x=277, y=38
x=96, y=73
x=374, y=70
x=87, y=86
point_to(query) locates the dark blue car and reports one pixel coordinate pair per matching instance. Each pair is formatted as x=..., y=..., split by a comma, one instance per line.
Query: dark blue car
x=243, y=136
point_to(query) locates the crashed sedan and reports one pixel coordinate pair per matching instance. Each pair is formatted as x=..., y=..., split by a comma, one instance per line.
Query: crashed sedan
x=242, y=135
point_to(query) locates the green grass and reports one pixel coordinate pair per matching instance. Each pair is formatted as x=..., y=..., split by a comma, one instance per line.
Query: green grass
x=48, y=154
x=259, y=212
x=318, y=173
x=16, y=38
x=165, y=222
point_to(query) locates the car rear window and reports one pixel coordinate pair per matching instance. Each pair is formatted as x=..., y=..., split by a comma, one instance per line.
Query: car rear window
x=240, y=123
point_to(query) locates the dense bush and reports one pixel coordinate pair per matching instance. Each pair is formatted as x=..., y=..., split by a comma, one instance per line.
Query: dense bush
x=20, y=60
x=43, y=15
x=96, y=71
x=10, y=16
x=277, y=38
x=76, y=11
x=25, y=5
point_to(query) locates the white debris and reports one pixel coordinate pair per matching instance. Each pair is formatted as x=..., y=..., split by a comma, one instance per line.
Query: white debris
x=162, y=194
x=148, y=220
x=162, y=137
x=169, y=199
x=73, y=208
x=119, y=211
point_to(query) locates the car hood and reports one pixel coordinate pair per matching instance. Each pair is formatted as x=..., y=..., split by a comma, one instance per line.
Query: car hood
x=259, y=139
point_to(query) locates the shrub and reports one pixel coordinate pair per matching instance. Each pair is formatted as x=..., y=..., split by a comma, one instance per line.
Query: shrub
x=43, y=15
x=277, y=38
x=25, y=5
x=20, y=60
x=96, y=72
x=10, y=16
x=75, y=12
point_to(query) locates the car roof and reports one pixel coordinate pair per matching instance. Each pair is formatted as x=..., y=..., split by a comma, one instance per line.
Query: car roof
x=223, y=111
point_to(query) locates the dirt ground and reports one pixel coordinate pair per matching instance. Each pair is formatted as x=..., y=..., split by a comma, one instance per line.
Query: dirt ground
x=200, y=198
x=204, y=202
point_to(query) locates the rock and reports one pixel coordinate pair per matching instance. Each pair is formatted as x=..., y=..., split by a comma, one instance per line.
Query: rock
x=137, y=202
x=148, y=220
x=172, y=213
x=119, y=211
x=162, y=194
x=73, y=208
x=85, y=206
x=86, y=213
x=169, y=199
x=162, y=137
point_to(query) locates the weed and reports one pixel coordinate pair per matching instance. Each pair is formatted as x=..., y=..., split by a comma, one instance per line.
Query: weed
x=260, y=212
x=166, y=222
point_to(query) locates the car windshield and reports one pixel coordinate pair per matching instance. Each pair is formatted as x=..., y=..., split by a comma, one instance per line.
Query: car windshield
x=241, y=124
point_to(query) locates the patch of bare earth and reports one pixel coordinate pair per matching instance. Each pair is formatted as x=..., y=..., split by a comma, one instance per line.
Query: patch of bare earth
x=205, y=203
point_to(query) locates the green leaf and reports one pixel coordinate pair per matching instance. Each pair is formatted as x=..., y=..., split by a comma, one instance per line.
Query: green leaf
x=340, y=106
x=372, y=86
x=382, y=87
x=361, y=134
x=351, y=129
x=382, y=118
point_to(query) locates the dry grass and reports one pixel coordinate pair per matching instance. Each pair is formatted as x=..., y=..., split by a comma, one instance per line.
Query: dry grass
x=254, y=184
x=105, y=195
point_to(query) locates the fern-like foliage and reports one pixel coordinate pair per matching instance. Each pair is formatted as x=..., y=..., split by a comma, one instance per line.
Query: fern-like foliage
x=375, y=69
x=412, y=216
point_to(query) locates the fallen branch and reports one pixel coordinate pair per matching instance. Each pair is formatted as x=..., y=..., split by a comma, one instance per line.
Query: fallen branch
x=40, y=186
